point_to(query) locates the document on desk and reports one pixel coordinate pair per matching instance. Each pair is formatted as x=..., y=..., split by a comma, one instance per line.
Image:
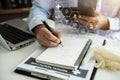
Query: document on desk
x=66, y=57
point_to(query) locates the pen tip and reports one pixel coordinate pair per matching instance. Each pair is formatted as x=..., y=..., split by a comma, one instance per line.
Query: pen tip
x=62, y=45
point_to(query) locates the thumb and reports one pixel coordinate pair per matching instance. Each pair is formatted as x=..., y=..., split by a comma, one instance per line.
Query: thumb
x=96, y=13
x=58, y=34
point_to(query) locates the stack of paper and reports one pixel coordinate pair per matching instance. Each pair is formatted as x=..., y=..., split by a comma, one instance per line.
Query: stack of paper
x=63, y=57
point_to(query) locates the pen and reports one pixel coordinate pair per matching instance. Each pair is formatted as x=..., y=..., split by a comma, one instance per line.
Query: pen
x=83, y=53
x=104, y=42
x=49, y=28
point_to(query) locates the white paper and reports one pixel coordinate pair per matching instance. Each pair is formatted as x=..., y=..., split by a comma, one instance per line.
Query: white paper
x=64, y=57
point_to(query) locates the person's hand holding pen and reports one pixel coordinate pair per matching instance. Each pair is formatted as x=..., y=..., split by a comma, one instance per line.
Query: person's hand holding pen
x=46, y=38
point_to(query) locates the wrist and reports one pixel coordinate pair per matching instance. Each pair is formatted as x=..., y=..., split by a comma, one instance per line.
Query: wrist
x=106, y=25
x=37, y=28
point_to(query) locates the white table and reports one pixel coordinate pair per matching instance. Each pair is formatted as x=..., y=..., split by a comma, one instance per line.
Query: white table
x=10, y=59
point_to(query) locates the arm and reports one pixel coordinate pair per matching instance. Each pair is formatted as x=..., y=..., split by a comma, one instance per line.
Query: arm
x=41, y=11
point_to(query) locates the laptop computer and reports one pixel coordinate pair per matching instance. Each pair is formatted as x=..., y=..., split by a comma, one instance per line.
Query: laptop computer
x=14, y=34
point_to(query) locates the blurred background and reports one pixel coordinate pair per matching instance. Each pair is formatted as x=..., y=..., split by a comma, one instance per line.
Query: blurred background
x=10, y=9
x=110, y=8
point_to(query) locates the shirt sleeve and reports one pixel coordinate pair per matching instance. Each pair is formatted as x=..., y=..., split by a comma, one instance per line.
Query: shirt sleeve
x=40, y=11
x=114, y=23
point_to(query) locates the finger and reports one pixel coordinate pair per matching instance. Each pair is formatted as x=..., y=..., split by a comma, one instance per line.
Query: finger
x=48, y=35
x=45, y=42
x=83, y=22
x=87, y=18
x=48, y=43
x=59, y=35
x=97, y=13
x=83, y=17
x=41, y=37
x=43, y=31
x=90, y=25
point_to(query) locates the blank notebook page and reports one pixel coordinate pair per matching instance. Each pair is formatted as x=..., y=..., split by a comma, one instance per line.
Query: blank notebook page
x=64, y=57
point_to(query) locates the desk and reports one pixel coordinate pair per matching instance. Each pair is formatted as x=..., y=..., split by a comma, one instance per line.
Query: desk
x=10, y=59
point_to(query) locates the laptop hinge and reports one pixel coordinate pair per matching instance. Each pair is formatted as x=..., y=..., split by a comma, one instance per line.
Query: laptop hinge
x=4, y=43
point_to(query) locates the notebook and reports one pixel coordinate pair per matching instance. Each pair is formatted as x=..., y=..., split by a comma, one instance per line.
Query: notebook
x=14, y=34
x=67, y=57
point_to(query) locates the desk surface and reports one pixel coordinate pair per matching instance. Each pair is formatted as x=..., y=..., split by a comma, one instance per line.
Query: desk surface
x=10, y=59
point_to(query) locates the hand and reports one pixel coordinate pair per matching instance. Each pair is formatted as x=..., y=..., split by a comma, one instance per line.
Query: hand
x=46, y=38
x=99, y=21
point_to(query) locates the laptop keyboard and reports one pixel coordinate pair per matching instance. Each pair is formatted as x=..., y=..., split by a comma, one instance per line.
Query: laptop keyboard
x=13, y=34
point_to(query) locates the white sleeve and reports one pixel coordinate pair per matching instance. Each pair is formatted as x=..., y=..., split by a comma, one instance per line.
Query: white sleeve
x=114, y=23
x=40, y=11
